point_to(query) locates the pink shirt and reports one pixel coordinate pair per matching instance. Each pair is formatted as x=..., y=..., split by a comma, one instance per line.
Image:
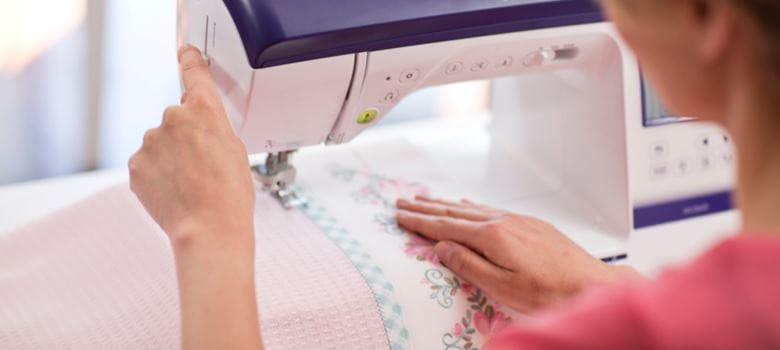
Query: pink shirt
x=727, y=299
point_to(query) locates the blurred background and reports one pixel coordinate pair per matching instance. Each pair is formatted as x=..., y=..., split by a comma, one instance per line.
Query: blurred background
x=82, y=80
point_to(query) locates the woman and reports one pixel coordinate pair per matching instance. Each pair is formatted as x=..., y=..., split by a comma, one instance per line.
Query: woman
x=713, y=59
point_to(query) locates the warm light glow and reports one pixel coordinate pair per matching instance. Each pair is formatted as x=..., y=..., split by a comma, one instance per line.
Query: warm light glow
x=29, y=27
x=464, y=100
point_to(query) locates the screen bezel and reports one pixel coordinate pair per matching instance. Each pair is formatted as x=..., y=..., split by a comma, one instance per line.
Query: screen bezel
x=647, y=90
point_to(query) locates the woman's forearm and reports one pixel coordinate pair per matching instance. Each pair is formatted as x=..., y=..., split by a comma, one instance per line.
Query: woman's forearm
x=217, y=292
x=192, y=175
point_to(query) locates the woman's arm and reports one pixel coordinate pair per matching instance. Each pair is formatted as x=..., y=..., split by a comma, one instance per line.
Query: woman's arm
x=217, y=291
x=519, y=261
x=192, y=175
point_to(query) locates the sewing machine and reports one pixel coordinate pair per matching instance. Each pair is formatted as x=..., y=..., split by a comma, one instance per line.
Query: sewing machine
x=576, y=135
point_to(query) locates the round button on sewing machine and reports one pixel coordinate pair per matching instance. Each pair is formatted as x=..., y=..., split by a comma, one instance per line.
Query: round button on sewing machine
x=504, y=62
x=368, y=116
x=659, y=150
x=537, y=58
x=410, y=75
x=454, y=68
x=389, y=97
x=480, y=65
x=533, y=59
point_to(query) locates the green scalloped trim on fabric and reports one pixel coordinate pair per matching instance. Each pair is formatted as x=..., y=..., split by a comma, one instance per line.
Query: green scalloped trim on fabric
x=383, y=290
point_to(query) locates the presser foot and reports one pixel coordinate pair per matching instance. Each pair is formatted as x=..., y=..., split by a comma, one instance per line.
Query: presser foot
x=278, y=177
x=290, y=198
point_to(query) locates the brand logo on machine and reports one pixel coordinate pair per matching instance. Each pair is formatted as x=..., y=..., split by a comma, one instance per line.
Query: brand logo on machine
x=696, y=209
x=660, y=213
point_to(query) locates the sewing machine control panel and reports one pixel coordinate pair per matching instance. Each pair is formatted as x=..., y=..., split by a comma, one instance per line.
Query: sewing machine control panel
x=705, y=153
x=684, y=170
x=472, y=68
x=387, y=80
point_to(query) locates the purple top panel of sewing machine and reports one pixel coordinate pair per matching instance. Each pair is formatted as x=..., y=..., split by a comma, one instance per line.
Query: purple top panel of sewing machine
x=276, y=32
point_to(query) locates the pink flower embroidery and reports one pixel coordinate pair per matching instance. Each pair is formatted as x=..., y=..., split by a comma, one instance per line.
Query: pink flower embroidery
x=367, y=195
x=457, y=330
x=422, y=249
x=488, y=326
x=467, y=288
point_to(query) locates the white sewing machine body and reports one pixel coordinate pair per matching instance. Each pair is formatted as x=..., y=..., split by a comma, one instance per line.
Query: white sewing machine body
x=572, y=138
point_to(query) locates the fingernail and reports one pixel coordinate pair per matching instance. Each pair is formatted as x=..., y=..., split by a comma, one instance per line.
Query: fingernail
x=444, y=250
x=183, y=48
x=402, y=202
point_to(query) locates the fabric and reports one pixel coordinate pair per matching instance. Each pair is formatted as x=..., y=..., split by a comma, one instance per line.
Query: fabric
x=310, y=296
x=338, y=274
x=100, y=275
x=429, y=307
x=727, y=299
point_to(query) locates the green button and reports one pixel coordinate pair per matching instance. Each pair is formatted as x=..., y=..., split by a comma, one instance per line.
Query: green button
x=368, y=116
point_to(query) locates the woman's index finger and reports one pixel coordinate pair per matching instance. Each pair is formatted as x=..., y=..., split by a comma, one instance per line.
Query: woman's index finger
x=195, y=73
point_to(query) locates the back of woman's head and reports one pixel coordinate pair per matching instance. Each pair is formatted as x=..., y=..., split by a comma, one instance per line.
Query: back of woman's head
x=766, y=12
x=697, y=52
x=766, y=15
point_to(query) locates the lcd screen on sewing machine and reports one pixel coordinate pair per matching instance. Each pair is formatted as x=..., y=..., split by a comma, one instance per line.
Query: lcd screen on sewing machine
x=655, y=113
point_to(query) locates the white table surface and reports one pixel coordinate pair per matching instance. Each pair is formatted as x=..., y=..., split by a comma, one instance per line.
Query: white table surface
x=649, y=250
x=23, y=203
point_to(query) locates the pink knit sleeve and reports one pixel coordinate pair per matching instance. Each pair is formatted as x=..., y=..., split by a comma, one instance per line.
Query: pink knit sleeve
x=727, y=299
x=602, y=319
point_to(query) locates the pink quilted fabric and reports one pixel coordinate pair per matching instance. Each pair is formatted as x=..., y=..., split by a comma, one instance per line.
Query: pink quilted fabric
x=310, y=294
x=100, y=275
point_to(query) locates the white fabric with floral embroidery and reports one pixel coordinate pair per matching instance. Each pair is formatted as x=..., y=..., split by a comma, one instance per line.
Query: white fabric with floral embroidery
x=359, y=186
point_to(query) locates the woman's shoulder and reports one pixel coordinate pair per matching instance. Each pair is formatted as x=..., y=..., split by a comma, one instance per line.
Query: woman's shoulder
x=745, y=255
x=729, y=294
x=747, y=265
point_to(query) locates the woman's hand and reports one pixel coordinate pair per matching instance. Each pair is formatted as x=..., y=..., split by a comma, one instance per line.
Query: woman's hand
x=192, y=173
x=519, y=261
